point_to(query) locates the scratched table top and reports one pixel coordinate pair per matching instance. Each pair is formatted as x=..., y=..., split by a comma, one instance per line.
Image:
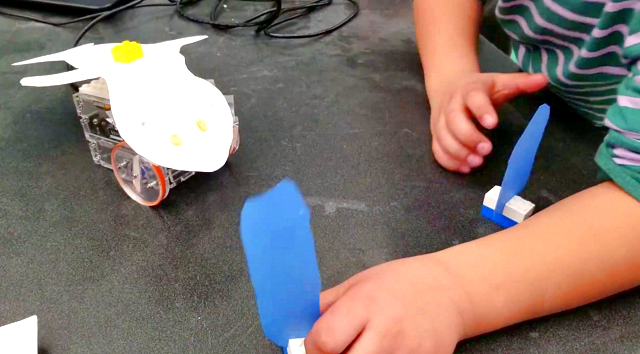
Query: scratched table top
x=345, y=116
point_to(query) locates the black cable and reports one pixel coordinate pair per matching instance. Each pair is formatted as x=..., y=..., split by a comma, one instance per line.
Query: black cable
x=75, y=20
x=270, y=17
x=351, y=16
x=99, y=18
x=35, y=19
x=264, y=21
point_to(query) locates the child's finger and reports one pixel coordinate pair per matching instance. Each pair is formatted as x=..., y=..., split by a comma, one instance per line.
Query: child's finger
x=331, y=296
x=372, y=341
x=466, y=132
x=337, y=328
x=508, y=86
x=449, y=144
x=446, y=161
x=482, y=108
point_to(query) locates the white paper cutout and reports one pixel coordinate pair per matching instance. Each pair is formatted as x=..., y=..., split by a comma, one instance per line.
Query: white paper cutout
x=20, y=337
x=152, y=99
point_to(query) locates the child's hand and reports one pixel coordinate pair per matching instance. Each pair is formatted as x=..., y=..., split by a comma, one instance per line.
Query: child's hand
x=457, y=144
x=406, y=306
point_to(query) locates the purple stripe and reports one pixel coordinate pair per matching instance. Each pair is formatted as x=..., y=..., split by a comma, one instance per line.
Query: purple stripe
x=568, y=14
x=589, y=89
x=572, y=67
x=574, y=102
x=629, y=102
x=545, y=62
x=626, y=133
x=632, y=40
x=541, y=22
x=612, y=48
x=601, y=70
x=625, y=162
x=599, y=33
x=560, y=67
x=597, y=114
x=617, y=6
x=520, y=54
x=601, y=98
x=626, y=154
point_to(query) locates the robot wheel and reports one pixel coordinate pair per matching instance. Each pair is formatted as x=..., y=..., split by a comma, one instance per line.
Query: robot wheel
x=143, y=181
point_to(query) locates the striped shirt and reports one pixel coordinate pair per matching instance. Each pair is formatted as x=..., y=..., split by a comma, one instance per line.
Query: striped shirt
x=589, y=51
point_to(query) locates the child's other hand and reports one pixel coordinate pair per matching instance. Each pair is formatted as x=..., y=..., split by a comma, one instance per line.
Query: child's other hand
x=457, y=143
x=406, y=306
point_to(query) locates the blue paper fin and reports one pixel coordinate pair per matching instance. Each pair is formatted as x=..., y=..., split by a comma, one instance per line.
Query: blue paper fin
x=522, y=159
x=279, y=246
x=499, y=219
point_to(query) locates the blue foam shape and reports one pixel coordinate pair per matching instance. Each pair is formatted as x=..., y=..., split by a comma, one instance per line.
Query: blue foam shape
x=522, y=158
x=499, y=219
x=279, y=247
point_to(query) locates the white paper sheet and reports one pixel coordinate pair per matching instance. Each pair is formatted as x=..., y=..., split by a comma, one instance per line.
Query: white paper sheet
x=20, y=337
x=153, y=100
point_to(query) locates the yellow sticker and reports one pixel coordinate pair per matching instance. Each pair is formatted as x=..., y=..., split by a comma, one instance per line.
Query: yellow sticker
x=127, y=52
x=175, y=140
x=202, y=125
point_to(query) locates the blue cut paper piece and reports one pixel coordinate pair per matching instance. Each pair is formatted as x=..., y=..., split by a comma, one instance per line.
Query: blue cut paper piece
x=281, y=257
x=500, y=219
x=521, y=160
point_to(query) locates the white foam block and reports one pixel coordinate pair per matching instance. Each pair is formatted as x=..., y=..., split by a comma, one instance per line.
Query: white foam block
x=296, y=346
x=20, y=337
x=517, y=209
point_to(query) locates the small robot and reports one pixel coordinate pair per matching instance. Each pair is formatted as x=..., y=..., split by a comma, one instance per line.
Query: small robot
x=185, y=125
x=144, y=181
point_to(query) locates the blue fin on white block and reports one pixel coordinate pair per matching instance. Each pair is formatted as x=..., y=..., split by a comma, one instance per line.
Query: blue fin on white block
x=279, y=247
x=498, y=219
x=521, y=162
x=515, y=211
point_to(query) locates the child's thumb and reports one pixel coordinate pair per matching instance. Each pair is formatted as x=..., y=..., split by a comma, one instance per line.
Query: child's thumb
x=508, y=86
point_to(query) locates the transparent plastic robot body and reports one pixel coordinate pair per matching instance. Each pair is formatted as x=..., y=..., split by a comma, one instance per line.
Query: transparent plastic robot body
x=172, y=121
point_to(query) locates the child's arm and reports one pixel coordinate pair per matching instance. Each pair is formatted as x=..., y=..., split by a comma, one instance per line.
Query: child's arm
x=579, y=250
x=582, y=249
x=447, y=34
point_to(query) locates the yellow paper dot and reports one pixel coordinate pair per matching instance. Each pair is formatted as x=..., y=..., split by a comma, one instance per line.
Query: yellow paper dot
x=127, y=52
x=202, y=125
x=175, y=140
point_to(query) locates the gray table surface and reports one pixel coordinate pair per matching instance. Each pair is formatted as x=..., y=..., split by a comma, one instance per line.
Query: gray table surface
x=345, y=116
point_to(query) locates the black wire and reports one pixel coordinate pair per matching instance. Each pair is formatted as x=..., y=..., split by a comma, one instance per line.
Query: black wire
x=75, y=20
x=90, y=25
x=35, y=19
x=270, y=17
x=264, y=21
x=97, y=17
x=351, y=16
